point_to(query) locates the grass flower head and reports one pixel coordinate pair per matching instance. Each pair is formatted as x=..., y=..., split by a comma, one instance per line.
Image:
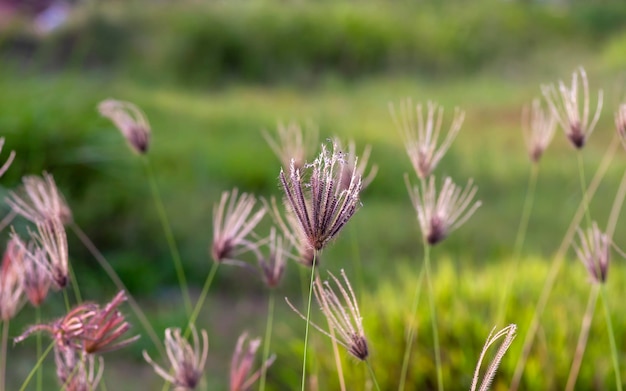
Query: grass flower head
x=509, y=334
x=594, y=252
x=538, y=127
x=39, y=200
x=293, y=142
x=566, y=107
x=273, y=266
x=421, y=135
x=37, y=277
x=7, y=163
x=241, y=377
x=187, y=361
x=438, y=215
x=76, y=370
x=11, y=281
x=131, y=122
x=350, y=158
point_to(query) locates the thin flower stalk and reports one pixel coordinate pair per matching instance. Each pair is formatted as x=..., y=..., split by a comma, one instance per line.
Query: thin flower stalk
x=508, y=333
x=5, y=166
x=233, y=221
x=320, y=204
x=131, y=122
x=566, y=107
x=241, y=375
x=538, y=129
x=293, y=142
x=187, y=361
x=438, y=215
x=39, y=200
x=421, y=135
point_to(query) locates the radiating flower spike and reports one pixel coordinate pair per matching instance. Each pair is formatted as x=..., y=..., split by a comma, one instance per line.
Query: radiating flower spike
x=34, y=266
x=131, y=122
x=321, y=206
x=351, y=161
x=273, y=265
x=438, y=215
x=594, y=252
x=51, y=238
x=566, y=107
x=293, y=142
x=342, y=313
x=233, y=221
x=509, y=334
x=39, y=200
x=187, y=361
x=538, y=127
x=76, y=371
x=241, y=377
x=421, y=135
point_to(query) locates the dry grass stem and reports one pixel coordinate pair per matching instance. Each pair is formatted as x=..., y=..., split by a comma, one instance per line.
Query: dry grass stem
x=39, y=200
x=594, y=252
x=440, y=215
x=5, y=166
x=509, y=334
x=566, y=107
x=187, y=361
x=343, y=315
x=421, y=136
x=241, y=376
x=538, y=129
x=320, y=204
x=293, y=142
x=233, y=221
x=131, y=122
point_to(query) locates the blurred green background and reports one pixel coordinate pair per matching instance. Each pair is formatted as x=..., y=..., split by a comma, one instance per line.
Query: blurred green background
x=211, y=75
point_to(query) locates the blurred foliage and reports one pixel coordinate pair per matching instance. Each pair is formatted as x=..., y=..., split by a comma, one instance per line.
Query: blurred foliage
x=215, y=42
x=466, y=299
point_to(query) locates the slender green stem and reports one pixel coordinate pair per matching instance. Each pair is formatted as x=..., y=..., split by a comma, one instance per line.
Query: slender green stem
x=583, y=187
x=308, y=315
x=268, y=338
x=203, y=295
x=609, y=327
x=433, y=316
x=75, y=287
x=557, y=263
x=372, y=375
x=520, y=237
x=583, y=337
x=37, y=365
x=39, y=347
x=104, y=264
x=3, y=357
x=411, y=331
x=66, y=299
x=169, y=235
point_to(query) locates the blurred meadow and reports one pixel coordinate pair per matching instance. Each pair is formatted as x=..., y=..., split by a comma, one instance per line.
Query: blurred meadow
x=212, y=75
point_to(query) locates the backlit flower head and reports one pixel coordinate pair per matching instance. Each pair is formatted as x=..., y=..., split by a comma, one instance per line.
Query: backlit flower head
x=37, y=277
x=76, y=370
x=7, y=163
x=594, y=252
x=233, y=221
x=538, y=127
x=11, y=282
x=342, y=313
x=241, y=376
x=438, y=215
x=51, y=238
x=187, y=361
x=131, y=122
x=293, y=142
x=321, y=205
x=273, y=265
x=350, y=160
x=421, y=135
x=566, y=107
x=39, y=200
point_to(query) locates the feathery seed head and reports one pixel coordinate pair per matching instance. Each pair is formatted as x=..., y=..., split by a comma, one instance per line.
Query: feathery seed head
x=440, y=215
x=509, y=334
x=131, y=122
x=594, y=252
x=187, y=361
x=37, y=277
x=232, y=222
x=39, y=200
x=52, y=240
x=241, y=377
x=11, y=282
x=319, y=203
x=421, y=135
x=273, y=266
x=350, y=162
x=293, y=143
x=76, y=370
x=341, y=311
x=538, y=128
x=566, y=108
x=7, y=163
